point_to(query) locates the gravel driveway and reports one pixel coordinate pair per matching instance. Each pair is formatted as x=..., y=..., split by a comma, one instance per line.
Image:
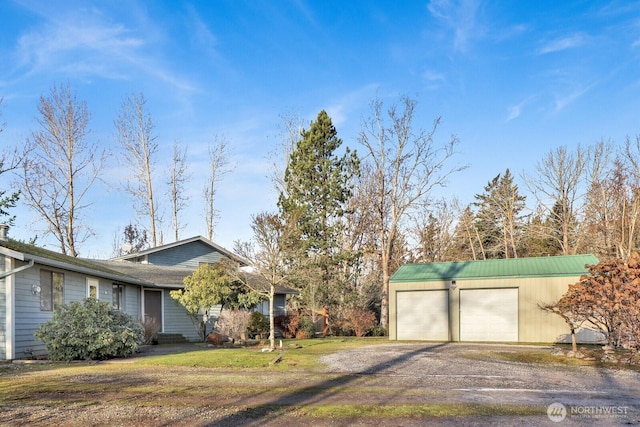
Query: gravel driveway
x=467, y=373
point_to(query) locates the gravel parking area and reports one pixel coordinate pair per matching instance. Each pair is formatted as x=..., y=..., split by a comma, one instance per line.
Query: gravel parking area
x=467, y=373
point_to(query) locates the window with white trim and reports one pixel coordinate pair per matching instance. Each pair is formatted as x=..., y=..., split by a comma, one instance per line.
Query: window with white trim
x=93, y=288
x=51, y=290
x=117, y=296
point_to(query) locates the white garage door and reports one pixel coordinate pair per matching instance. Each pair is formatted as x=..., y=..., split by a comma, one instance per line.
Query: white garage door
x=489, y=314
x=423, y=315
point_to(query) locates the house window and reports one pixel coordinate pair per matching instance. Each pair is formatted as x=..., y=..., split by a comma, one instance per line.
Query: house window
x=117, y=296
x=92, y=288
x=51, y=290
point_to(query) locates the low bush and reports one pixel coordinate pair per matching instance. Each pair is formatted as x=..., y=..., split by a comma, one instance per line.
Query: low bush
x=307, y=328
x=258, y=325
x=233, y=323
x=296, y=326
x=91, y=330
x=360, y=320
x=151, y=328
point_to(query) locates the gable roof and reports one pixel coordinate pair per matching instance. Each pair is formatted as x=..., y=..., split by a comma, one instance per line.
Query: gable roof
x=24, y=251
x=216, y=247
x=555, y=266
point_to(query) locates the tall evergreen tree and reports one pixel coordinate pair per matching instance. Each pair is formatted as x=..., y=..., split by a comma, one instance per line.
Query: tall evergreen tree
x=317, y=187
x=499, y=219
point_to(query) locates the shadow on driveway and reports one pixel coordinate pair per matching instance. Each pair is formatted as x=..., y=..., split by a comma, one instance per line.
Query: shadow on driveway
x=264, y=413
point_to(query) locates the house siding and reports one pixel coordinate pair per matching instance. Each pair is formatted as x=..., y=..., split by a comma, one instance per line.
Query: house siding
x=28, y=314
x=279, y=306
x=132, y=301
x=3, y=310
x=188, y=255
x=178, y=321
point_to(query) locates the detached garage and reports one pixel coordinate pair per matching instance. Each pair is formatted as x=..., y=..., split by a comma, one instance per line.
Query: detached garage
x=485, y=301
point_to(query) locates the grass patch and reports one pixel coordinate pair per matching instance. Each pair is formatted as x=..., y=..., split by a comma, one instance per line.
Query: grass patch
x=213, y=358
x=546, y=358
x=301, y=354
x=421, y=410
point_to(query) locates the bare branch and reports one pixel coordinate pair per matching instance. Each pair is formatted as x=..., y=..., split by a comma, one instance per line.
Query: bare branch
x=134, y=132
x=219, y=155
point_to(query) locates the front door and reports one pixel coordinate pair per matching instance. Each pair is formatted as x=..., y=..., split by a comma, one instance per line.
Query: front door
x=153, y=306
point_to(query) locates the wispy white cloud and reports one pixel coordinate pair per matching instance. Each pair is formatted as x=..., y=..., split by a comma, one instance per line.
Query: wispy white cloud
x=432, y=76
x=86, y=43
x=569, y=42
x=59, y=43
x=514, y=111
x=433, y=80
x=201, y=34
x=340, y=109
x=561, y=102
x=461, y=16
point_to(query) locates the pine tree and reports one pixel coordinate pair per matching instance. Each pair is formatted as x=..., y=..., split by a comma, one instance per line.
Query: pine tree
x=499, y=219
x=317, y=187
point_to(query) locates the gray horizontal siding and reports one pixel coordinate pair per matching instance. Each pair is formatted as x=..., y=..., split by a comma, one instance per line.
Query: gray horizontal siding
x=132, y=301
x=279, y=306
x=178, y=321
x=188, y=255
x=3, y=317
x=29, y=316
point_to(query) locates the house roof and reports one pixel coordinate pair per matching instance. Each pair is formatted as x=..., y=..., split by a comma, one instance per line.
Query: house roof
x=118, y=270
x=556, y=266
x=160, y=275
x=204, y=240
x=24, y=251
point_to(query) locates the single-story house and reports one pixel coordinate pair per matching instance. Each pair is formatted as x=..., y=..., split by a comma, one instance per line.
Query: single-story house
x=486, y=301
x=34, y=281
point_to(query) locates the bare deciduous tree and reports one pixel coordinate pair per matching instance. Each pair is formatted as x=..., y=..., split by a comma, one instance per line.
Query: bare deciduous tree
x=407, y=164
x=558, y=185
x=290, y=132
x=62, y=167
x=218, y=167
x=177, y=179
x=134, y=131
x=10, y=159
x=266, y=256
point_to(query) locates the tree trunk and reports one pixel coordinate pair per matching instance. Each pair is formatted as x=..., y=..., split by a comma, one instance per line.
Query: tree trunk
x=272, y=323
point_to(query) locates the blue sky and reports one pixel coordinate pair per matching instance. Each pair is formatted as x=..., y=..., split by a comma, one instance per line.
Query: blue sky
x=512, y=80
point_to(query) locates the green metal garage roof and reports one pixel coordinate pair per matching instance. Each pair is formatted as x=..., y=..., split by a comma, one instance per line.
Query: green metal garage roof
x=553, y=266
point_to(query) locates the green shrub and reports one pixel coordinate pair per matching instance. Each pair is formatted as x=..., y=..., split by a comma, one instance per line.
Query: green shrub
x=379, y=331
x=258, y=324
x=307, y=328
x=91, y=330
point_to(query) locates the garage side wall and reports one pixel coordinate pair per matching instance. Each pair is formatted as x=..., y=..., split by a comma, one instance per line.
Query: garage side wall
x=534, y=324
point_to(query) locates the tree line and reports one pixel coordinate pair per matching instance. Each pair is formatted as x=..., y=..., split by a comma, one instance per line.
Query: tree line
x=346, y=217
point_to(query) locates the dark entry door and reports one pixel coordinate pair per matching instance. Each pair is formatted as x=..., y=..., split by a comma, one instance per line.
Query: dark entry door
x=153, y=306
